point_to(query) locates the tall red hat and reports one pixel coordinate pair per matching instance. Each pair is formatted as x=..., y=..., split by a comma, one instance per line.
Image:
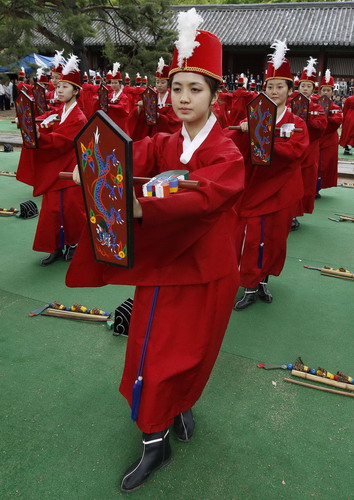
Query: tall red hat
x=144, y=79
x=22, y=73
x=195, y=50
x=109, y=76
x=98, y=77
x=116, y=74
x=309, y=72
x=127, y=78
x=85, y=77
x=162, y=69
x=138, y=78
x=278, y=66
x=253, y=85
x=58, y=62
x=327, y=80
x=71, y=72
x=240, y=80
x=43, y=79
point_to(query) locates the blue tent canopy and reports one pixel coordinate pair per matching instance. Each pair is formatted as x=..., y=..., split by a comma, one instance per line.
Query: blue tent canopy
x=34, y=58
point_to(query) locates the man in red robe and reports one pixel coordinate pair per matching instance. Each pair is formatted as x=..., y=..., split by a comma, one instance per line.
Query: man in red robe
x=347, y=136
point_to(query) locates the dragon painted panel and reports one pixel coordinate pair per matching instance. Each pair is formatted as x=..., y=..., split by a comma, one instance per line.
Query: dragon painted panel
x=39, y=98
x=325, y=103
x=104, y=154
x=150, y=106
x=26, y=120
x=261, y=126
x=103, y=98
x=300, y=106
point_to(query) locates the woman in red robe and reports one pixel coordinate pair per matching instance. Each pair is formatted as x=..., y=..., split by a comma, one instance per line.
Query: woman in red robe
x=271, y=193
x=328, y=164
x=316, y=124
x=347, y=136
x=63, y=213
x=118, y=108
x=184, y=246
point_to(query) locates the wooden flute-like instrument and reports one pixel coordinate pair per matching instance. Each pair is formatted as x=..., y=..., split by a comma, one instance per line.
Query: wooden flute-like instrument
x=335, y=273
x=58, y=313
x=138, y=181
x=322, y=380
x=325, y=389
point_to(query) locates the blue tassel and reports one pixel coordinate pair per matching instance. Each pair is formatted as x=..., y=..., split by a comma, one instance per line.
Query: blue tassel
x=137, y=387
x=260, y=255
x=62, y=237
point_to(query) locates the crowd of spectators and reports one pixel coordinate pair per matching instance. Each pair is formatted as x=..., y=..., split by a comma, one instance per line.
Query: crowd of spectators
x=7, y=88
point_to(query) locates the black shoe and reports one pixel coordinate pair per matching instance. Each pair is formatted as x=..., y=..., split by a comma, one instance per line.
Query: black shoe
x=347, y=152
x=295, y=224
x=318, y=196
x=69, y=252
x=156, y=454
x=184, y=425
x=263, y=292
x=249, y=298
x=52, y=257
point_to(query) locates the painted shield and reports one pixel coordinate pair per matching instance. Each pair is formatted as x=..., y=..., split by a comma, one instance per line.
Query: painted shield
x=300, y=106
x=325, y=103
x=104, y=154
x=103, y=98
x=26, y=120
x=39, y=98
x=262, y=113
x=150, y=106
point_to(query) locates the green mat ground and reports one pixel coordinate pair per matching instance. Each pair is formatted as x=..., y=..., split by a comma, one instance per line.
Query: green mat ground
x=66, y=432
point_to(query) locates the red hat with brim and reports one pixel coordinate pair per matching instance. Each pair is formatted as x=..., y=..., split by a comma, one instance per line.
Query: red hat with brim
x=43, y=79
x=206, y=58
x=21, y=74
x=57, y=69
x=109, y=76
x=117, y=76
x=330, y=83
x=305, y=78
x=74, y=77
x=281, y=73
x=164, y=72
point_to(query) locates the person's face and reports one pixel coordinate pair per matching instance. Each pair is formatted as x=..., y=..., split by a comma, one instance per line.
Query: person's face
x=306, y=88
x=161, y=85
x=55, y=79
x=66, y=91
x=278, y=91
x=115, y=84
x=191, y=98
x=326, y=90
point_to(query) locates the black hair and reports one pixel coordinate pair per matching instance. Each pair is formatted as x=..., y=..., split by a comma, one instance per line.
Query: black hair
x=289, y=83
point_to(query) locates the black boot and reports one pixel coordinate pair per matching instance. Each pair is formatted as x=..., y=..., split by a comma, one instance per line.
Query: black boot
x=263, y=292
x=250, y=297
x=69, y=252
x=295, y=224
x=52, y=257
x=184, y=425
x=156, y=454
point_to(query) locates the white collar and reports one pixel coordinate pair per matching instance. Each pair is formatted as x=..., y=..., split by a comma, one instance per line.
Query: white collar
x=162, y=102
x=282, y=115
x=189, y=147
x=66, y=113
x=116, y=96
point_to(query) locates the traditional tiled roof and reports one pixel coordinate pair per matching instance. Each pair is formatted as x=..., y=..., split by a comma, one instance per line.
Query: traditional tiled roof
x=315, y=24
x=302, y=23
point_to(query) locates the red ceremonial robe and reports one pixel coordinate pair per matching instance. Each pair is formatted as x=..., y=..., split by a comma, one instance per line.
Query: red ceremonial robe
x=167, y=121
x=40, y=168
x=347, y=136
x=238, y=112
x=328, y=164
x=268, y=202
x=185, y=244
x=316, y=125
x=118, y=110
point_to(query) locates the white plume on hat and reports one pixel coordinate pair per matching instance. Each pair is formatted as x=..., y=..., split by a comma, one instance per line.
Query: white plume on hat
x=39, y=73
x=160, y=65
x=278, y=56
x=187, y=25
x=72, y=64
x=116, y=67
x=327, y=75
x=22, y=69
x=310, y=68
x=58, y=58
x=127, y=75
x=138, y=75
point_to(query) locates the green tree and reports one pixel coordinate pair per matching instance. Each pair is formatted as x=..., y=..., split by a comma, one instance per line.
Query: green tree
x=27, y=26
